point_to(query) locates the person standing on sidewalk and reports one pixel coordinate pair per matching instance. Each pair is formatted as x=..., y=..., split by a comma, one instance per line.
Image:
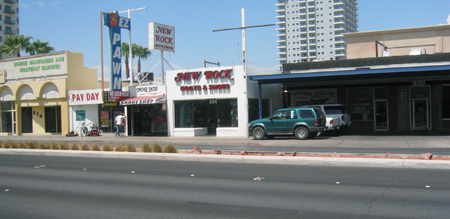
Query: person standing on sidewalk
x=119, y=121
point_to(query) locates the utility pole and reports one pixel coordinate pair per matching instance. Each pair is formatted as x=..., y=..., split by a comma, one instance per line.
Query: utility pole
x=243, y=102
x=131, y=45
x=243, y=28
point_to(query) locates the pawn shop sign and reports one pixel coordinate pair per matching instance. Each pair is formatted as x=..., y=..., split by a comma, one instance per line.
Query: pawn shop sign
x=115, y=23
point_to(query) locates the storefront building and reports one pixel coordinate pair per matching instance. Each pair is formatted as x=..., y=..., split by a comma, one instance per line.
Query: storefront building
x=33, y=92
x=396, y=94
x=84, y=107
x=146, y=110
x=393, y=80
x=216, y=101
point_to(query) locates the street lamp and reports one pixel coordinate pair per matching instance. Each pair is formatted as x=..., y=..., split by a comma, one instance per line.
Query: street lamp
x=131, y=45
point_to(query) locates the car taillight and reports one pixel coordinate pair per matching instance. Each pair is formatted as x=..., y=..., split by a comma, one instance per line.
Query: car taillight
x=331, y=122
x=316, y=122
x=343, y=118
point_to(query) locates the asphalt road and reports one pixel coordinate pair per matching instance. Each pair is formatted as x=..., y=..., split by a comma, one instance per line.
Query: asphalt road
x=82, y=187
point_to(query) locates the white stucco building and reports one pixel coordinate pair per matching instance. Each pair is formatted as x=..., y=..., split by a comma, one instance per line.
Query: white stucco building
x=217, y=101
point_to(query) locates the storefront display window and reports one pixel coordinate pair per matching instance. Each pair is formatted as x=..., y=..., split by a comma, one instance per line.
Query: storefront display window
x=148, y=120
x=211, y=113
x=446, y=102
x=7, y=116
x=360, y=102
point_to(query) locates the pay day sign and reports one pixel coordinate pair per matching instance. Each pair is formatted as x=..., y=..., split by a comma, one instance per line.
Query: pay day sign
x=115, y=23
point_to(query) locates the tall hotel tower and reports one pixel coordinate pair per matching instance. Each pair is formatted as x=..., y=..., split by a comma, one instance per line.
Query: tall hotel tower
x=310, y=30
x=9, y=19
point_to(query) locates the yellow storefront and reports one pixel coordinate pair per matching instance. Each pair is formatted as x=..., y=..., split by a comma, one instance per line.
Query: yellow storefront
x=33, y=92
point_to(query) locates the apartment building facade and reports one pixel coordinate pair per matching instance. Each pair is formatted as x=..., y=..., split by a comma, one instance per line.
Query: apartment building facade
x=9, y=20
x=310, y=30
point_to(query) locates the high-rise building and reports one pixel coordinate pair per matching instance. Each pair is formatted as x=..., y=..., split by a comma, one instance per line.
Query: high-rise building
x=310, y=30
x=9, y=19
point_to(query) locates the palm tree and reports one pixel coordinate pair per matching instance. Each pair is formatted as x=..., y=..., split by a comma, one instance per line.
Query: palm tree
x=126, y=54
x=14, y=44
x=141, y=53
x=38, y=47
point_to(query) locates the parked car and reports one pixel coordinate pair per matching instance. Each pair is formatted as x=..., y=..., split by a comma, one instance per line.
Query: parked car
x=303, y=122
x=335, y=110
x=333, y=122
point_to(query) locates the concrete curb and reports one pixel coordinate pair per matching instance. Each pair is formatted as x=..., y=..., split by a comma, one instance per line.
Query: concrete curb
x=317, y=161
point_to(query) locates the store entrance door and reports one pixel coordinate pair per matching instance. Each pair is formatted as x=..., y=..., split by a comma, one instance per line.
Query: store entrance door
x=27, y=120
x=212, y=117
x=381, y=115
x=420, y=114
x=53, y=119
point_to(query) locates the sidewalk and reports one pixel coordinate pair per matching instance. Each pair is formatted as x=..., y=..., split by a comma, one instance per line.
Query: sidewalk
x=386, y=141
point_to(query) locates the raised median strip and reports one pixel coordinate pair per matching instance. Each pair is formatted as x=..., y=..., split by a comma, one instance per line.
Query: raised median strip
x=238, y=158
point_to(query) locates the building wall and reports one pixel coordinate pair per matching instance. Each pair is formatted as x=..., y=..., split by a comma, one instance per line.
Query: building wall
x=239, y=88
x=42, y=81
x=399, y=42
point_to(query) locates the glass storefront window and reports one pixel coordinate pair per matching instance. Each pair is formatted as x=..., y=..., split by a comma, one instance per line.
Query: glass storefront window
x=7, y=116
x=211, y=113
x=446, y=102
x=227, y=113
x=360, y=102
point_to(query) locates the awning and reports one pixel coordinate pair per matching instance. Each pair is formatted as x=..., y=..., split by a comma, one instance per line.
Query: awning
x=143, y=100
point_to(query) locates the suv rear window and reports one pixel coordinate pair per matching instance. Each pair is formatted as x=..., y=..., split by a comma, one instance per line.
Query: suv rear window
x=307, y=114
x=334, y=110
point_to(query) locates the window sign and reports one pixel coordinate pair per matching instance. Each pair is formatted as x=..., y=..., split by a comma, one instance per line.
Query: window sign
x=360, y=102
x=81, y=115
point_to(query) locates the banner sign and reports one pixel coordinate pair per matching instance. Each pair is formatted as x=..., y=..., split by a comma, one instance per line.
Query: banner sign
x=85, y=97
x=117, y=96
x=115, y=23
x=161, y=37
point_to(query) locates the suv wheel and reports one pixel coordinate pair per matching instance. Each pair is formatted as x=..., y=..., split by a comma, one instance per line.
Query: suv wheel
x=301, y=133
x=258, y=133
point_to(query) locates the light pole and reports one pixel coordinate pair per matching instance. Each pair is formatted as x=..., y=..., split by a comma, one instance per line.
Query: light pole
x=131, y=45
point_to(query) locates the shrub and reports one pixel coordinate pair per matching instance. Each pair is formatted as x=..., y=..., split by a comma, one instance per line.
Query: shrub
x=23, y=145
x=2, y=144
x=74, y=147
x=14, y=144
x=131, y=148
x=95, y=147
x=54, y=146
x=63, y=146
x=85, y=147
x=146, y=148
x=107, y=147
x=120, y=148
x=156, y=148
x=7, y=145
x=32, y=145
x=44, y=146
x=169, y=149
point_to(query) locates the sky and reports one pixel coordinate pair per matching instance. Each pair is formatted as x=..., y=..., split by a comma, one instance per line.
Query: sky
x=74, y=25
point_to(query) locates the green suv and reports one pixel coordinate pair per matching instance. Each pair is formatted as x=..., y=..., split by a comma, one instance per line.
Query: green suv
x=304, y=122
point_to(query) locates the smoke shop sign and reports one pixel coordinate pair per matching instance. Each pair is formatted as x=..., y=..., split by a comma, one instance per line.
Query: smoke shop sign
x=214, y=80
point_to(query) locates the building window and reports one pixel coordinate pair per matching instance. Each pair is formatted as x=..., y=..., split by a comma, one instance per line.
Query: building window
x=206, y=113
x=81, y=115
x=360, y=103
x=446, y=102
x=7, y=116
